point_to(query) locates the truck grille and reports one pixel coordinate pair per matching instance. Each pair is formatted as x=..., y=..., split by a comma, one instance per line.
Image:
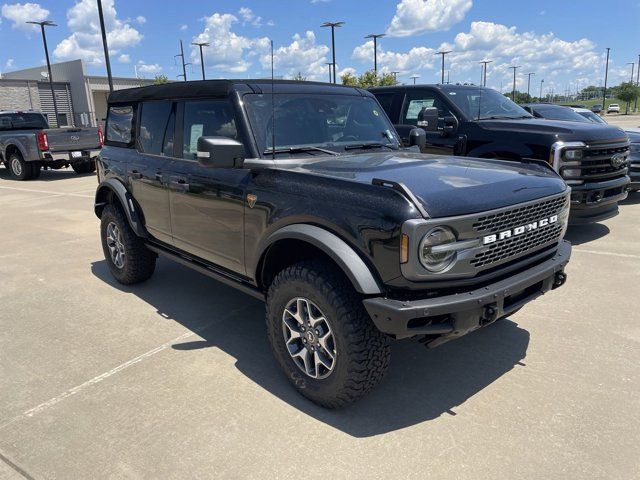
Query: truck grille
x=596, y=164
x=525, y=243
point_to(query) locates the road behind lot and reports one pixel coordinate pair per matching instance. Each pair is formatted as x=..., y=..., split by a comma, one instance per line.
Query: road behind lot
x=174, y=378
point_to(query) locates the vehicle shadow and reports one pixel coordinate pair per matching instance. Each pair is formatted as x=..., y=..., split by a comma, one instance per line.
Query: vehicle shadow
x=579, y=234
x=421, y=384
x=632, y=199
x=49, y=175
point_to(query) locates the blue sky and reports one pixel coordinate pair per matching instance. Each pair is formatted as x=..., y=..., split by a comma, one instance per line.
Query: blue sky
x=563, y=42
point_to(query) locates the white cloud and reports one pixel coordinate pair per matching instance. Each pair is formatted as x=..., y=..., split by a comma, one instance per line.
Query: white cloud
x=418, y=58
x=320, y=1
x=146, y=68
x=249, y=17
x=124, y=58
x=301, y=55
x=141, y=20
x=183, y=27
x=229, y=52
x=9, y=63
x=414, y=17
x=86, y=42
x=21, y=13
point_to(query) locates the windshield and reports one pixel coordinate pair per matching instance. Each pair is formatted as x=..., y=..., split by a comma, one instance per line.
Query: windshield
x=592, y=117
x=313, y=123
x=485, y=103
x=559, y=113
x=22, y=121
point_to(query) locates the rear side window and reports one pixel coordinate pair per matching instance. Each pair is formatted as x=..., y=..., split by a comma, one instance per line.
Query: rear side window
x=385, y=100
x=212, y=118
x=156, y=131
x=120, y=124
x=22, y=121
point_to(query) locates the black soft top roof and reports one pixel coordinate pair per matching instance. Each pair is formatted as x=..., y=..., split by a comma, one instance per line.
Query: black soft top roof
x=222, y=88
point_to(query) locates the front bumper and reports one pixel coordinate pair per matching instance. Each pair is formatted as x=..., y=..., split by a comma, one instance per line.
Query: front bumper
x=452, y=316
x=596, y=201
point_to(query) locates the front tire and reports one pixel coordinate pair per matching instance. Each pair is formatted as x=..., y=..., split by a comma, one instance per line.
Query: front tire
x=129, y=260
x=321, y=335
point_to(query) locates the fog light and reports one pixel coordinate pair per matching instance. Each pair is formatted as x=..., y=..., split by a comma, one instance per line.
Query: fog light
x=571, y=172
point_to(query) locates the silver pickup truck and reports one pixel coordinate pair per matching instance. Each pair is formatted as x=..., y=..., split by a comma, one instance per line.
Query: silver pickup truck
x=28, y=145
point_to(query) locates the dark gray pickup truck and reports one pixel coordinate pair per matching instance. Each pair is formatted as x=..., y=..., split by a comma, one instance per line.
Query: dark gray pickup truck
x=27, y=145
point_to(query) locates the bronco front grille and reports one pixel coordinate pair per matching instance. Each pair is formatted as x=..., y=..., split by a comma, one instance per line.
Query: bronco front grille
x=518, y=216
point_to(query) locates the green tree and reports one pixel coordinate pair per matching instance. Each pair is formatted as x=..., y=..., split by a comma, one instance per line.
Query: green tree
x=368, y=79
x=521, y=97
x=161, y=79
x=299, y=78
x=627, y=92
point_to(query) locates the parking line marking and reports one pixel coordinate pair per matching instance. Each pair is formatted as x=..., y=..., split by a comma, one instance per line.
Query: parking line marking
x=15, y=467
x=72, y=391
x=595, y=252
x=46, y=191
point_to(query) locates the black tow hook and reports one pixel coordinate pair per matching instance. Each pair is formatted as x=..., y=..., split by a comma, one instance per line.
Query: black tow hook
x=559, y=279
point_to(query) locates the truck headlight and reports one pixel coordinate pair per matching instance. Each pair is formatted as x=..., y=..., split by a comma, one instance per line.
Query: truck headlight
x=573, y=154
x=436, y=254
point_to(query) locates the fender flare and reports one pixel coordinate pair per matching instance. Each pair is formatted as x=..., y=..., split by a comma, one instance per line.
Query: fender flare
x=18, y=145
x=337, y=249
x=126, y=200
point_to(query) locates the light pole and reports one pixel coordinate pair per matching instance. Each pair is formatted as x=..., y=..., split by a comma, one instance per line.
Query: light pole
x=604, y=90
x=414, y=76
x=200, y=45
x=375, y=37
x=513, y=93
x=442, y=69
x=329, y=64
x=633, y=65
x=48, y=23
x=484, y=71
x=541, y=83
x=333, y=26
x=529, y=82
x=184, y=65
x=637, y=82
x=104, y=46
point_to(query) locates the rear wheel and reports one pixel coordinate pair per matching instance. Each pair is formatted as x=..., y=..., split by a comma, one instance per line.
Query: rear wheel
x=19, y=169
x=87, y=166
x=129, y=260
x=321, y=335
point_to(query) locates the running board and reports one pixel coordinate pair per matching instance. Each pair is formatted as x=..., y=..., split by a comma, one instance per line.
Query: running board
x=208, y=271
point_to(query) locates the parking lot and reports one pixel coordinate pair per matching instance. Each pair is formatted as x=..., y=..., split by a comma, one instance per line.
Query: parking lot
x=174, y=378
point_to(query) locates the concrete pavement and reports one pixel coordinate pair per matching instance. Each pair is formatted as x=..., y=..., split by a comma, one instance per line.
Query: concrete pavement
x=174, y=378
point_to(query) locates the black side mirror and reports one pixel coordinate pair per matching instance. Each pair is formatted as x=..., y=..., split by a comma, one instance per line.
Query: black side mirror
x=220, y=152
x=428, y=119
x=418, y=137
x=450, y=124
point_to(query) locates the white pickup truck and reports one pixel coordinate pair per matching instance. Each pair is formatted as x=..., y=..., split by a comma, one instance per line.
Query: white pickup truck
x=27, y=145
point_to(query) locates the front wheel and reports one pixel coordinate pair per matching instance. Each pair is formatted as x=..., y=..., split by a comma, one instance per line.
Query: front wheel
x=321, y=335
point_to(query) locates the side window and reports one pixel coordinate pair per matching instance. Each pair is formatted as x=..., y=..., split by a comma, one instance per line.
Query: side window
x=120, y=124
x=385, y=100
x=157, y=125
x=416, y=101
x=210, y=118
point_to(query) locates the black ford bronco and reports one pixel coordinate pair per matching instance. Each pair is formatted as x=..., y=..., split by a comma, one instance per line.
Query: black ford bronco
x=300, y=195
x=481, y=122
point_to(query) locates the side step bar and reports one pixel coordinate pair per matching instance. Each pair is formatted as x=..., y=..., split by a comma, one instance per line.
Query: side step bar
x=208, y=271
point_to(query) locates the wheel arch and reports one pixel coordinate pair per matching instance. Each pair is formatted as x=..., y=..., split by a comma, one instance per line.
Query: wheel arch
x=11, y=149
x=112, y=191
x=297, y=242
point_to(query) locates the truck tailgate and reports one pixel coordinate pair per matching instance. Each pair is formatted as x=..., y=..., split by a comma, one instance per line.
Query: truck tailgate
x=72, y=139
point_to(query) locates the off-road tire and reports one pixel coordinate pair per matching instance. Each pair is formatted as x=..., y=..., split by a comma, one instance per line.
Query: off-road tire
x=139, y=261
x=19, y=169
x=362, y=352
x=87, y=166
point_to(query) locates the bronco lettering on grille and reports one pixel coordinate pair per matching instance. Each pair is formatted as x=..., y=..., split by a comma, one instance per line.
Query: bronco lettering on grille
x=514, y=232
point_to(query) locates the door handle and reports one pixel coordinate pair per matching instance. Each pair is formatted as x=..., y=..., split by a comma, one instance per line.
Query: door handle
x=179, y=184
x=159, y=177
x=136, y=175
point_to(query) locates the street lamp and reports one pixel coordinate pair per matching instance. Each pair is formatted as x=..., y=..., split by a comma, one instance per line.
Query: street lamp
x=513, y=93
x=604, y=90
x=529, y=82
x=48, y=23
x=633, y=65
x=637, y=82
x=200, y=45
x=541, y=82
x=333, y=26
x=442, y=73
x=414, y=76
x=104, y=46
x=329, y=64
x=375, y=37
x=484, y=71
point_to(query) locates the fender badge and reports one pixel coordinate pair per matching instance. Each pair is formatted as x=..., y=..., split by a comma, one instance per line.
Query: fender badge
x=251, y=200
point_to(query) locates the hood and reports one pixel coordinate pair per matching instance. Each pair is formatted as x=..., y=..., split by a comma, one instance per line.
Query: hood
x=446, y=186
x=561, y=130
x=633, y=134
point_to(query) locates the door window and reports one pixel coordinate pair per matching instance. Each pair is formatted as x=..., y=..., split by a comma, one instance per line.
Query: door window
x=416, y=101
x=212, y=118
x=157, y=125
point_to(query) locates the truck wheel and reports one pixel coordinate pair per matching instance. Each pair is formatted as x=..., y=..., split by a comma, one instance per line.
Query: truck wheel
x=20, y=170
x=128, y=259
x=87, y=166
x=321, y=335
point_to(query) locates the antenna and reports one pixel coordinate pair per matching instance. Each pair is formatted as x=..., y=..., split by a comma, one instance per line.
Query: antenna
x=273, y=111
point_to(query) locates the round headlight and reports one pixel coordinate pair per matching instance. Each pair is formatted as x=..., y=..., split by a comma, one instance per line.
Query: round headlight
x=432, y=256
x=573, y=155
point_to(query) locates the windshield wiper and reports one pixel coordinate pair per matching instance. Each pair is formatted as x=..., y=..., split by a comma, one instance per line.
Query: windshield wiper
x=270, y=151
x=368, y=146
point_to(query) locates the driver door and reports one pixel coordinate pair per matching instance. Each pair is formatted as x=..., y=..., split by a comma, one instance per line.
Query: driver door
x=439, y=142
